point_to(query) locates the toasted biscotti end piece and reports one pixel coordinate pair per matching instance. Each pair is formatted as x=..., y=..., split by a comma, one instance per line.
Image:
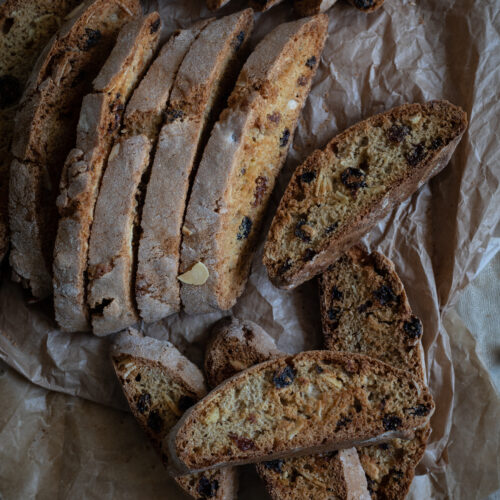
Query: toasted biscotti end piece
x=367, y=5
x=235, y=345
x=262, y=5
x=145, y=110
x=364, y=309
x=312, y=7
x=160, y=384
x=313, y=402
x=243, y=157
x=340, y=192
x=98, y=126
x=204, y=77
x=336, y=475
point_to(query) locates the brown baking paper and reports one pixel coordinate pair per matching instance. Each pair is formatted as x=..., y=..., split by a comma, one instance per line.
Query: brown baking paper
x=439, y=239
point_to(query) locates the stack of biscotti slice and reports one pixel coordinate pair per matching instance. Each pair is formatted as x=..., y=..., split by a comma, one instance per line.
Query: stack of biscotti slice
x=364, y=309
x=160, y=384
x=117, y=231
x=45, y=131
x=25, y=28
x=238, y=344
x=98, y=127
x=204, y=78
x=241, y=162
x=312, y=402
x=339, y=193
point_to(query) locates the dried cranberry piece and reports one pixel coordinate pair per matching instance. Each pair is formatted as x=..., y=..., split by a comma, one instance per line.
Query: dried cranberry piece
x=245, y=228
x=174, y=114
x=284, y=138
x=353, y=178
x=207, y=488
x=155, y=422
x=337, y=294
x=311, y=62
x=10, y=91
x=385, y=295
x=398, y=132
x=334, y=313
x=309, y=255
x=285, y=378
x=418, y=411
x=143, y=402
x=307, y=177
x=185, y=402
x=391, y=422
x=413, y=328
x=239, y=40
x=243, y=443
x=138, y=377
x=300, y=233
x=155, y=26
x=92, y=39
x=417, y=155
x=274, y=465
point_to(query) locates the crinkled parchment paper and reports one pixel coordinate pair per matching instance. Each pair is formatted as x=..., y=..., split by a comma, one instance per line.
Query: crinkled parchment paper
x=439, y=240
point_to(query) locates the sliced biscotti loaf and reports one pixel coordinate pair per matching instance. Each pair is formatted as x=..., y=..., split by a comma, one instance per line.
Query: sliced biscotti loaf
x=364, y=310
x=235, y=345
x=203, y=80
x=99, y=124
x=46, y=127
x=313, y=402
x=238, y=344
x=160, y=384
x=340, y=192
x=25, y=28
x=312, y=7
x=367, y=5
x=244, y=155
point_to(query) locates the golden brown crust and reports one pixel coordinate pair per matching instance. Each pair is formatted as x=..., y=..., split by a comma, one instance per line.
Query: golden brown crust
x=322, y=181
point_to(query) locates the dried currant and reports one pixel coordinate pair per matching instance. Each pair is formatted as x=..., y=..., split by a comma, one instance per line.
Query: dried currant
x=398, y=132
x=329, y=229
x=284, y=138
x=385, y=295
x=334, y=313
x=207, y=488
x=419, y=411
x=413, y=328
x=155, y=26
x=342, y=422
x=391, y=422
x=353, y=179
x=260, y=190
x=93, y=37
x=416, y=156
x=244, y=229
x=138, y=377
x=174, y=114
x=337, y=294
x=285, y=378
x=10, y=91
x=307, y=177
x=363, y=307
x=274, y=465
x=311, y=62
x=309, y=255
x=285, y=267
x=396, y=473
x=242, y=443
x=239, y=40
x=155, y=422
x=318, y=369
x=300, y=233
x=436, y=143
x=185, y=402
x=143, y=402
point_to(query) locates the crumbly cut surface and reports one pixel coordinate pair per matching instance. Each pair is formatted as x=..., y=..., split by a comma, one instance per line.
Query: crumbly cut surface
x=311, y=7
x=46, y=127
x=235, y=345
x=364, y=309
x=25, y=27
x=98, y=127
x=340, y=192
x=367, y=5
x=111, y=247
x=205, y=75
x=262, y=5
x=312, y=402
x=160, y=384
x=244, y=155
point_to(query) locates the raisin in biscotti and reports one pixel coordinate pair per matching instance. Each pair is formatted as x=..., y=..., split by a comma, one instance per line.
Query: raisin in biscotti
x=312, y=7
x=313, y=402
x=238, y=344
x=244, y=155
x=367, y=5
x=45, y=131
x=339, y=193
x=99, y=124
x=160, y=384
x=364, y=309
x=25, y=28
x=202, y=82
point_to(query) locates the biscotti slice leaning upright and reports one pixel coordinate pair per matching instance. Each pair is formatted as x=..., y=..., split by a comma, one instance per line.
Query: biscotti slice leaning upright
x=340, y=192
x=160, y=384
x=364, y=309
x=241, y=162
x=98, y=127
x=46, y=128
x=235, y=345
x=111, y=247
x=312, y=402
x=312, y=7
x=205, y=77
x=25, y=28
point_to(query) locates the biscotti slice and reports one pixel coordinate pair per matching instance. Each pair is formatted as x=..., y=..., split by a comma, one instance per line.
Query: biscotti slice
x=245, y=153
x=367, y=5
x=25, y=28
x=311, y=7
x=364, y=309
x=339, y=193
x=235, y=345
x=160, y=384
x=313, y=402
x=100, y=120
x=205, y=76
x=46, y=127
